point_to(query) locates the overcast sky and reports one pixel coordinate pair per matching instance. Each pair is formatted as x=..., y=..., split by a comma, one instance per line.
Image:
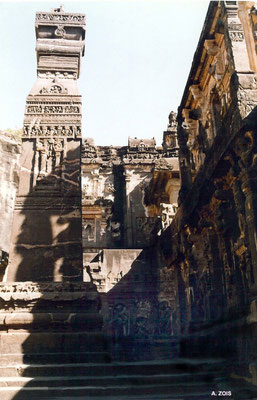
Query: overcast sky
x=137, y=60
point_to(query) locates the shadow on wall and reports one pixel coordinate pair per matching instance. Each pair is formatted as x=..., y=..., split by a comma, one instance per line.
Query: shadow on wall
x=139, y=324
x=48, y=247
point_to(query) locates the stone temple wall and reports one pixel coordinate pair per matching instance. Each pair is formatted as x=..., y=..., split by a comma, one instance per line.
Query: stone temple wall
x=129, y=196
x=10, y=149
x=210, y=248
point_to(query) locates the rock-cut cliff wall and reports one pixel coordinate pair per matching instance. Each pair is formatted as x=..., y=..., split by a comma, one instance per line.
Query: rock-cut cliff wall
x=10, y=150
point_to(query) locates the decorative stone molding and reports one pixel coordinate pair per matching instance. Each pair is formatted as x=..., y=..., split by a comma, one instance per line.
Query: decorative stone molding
x=55, y=108
x=60, y=18
x=51, y=290
x=60, y=75
x=237, y=36
x=33, y=131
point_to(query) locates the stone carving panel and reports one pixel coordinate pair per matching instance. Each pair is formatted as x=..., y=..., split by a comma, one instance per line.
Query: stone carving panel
x=54, y=89
x=37, y=130
x=49, y=155
x=52, y=109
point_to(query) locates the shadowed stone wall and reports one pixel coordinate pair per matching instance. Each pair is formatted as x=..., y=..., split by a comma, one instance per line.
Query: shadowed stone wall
x=210, y=247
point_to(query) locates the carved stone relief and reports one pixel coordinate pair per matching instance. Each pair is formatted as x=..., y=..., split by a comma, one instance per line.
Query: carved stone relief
x=35, y=130
x=49, y=155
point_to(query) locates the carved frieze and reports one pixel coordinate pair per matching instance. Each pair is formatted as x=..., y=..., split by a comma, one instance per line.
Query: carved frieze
x=53, y=291
x=60, y=75
x=55, y=108
x=162, y=164
x=236, y=36
x=60, y=18
x=51, y=131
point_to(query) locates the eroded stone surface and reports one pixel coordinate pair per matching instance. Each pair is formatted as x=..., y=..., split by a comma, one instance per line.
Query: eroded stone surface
x=10, y=149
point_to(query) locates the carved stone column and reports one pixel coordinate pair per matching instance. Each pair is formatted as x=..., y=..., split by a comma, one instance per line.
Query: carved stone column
x=46, y=235
x=52, y=314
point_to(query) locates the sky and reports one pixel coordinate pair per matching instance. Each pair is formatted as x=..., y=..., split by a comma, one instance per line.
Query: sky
x=137, y=60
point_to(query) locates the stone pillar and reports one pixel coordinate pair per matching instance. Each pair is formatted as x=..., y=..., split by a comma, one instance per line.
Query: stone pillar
x=46, y=234
x=235, y=16
x=52, y=314
x=128, y=215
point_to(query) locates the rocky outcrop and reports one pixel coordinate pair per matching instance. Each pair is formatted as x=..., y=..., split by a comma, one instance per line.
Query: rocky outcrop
x=10, y=149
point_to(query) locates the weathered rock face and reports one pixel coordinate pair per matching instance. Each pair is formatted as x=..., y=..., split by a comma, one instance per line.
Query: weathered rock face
x=10, y=149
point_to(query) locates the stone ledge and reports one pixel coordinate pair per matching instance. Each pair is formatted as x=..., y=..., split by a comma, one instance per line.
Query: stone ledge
x=48, y=291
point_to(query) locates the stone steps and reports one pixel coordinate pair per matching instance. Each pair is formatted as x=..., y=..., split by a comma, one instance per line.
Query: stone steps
x=60, y=392
x=60, y=358
x=105, y=369
x=175, y=379
x=107, y=381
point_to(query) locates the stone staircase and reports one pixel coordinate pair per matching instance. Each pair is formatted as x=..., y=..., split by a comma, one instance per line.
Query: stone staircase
x=52, y=347
x=177, y=379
